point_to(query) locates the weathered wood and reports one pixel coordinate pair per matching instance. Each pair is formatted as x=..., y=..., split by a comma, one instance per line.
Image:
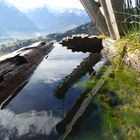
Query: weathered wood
x=83, y=43
x=97, y=17
x=86, y=102
x=112, y=22
x=16, y=67
x=114, y=19
x=12, y=96
x=76, y=74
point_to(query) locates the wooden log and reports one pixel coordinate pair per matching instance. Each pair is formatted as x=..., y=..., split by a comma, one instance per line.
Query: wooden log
x=16, y=67
x=12, y=96
x=83, y=43
x=86, y=102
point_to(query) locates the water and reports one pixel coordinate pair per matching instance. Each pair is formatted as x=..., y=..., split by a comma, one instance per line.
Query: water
x=35, y=111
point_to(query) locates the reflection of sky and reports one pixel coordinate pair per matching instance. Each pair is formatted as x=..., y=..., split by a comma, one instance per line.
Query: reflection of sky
x=38, y=95
x=59, y=63
x=99, y=65
x=29, y=123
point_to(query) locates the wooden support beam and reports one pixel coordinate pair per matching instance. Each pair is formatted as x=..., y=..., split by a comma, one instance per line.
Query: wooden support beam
x=97, y=17
x=114, y=20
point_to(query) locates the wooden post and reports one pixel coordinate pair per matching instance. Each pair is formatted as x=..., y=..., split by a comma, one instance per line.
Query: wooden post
x=94, y=12
x=114, y=20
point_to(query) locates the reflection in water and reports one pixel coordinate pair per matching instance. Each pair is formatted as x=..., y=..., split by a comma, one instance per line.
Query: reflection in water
x=76, y=74
x=99, y=65
x=18, y=120
x=7, y=101
x=30, y=124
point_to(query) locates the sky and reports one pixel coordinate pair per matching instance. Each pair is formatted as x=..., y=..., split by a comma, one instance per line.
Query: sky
x=25, y=5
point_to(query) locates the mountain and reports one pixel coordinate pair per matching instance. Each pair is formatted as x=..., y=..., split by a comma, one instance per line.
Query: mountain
x=57, y=21
x=88, y=28
x=12, y=20
x=2, y=32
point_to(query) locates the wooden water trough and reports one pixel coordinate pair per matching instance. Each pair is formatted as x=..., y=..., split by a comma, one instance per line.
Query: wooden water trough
x=16, y=67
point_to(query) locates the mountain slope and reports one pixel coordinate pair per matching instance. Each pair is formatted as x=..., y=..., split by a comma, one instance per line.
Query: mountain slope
x=57, y=21
x=2, y=32
x=12, y=20
x=88, y=28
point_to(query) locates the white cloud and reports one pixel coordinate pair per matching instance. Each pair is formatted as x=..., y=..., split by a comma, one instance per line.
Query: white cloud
x=30, y=4
x=19, y=125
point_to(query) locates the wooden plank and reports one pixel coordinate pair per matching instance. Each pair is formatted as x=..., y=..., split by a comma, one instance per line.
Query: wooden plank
x=86, y=103
x=114, y=19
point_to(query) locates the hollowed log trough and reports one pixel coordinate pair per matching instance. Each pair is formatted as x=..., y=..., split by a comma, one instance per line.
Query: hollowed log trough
x=16, y=67
x=84, y=43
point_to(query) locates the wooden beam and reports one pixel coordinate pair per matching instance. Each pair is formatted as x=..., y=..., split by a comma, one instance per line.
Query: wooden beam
x=114, y=20
x=97, y=17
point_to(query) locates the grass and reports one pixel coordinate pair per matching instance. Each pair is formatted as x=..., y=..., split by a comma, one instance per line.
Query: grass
x=132, y=14
x=119, y=97
x=122, y=121
x=131, y=40
x=125, y=116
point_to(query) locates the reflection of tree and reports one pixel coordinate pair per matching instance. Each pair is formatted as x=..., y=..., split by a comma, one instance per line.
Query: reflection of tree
x=81, y=70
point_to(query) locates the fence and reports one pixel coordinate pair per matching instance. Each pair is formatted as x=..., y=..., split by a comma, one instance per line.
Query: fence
x=118, y=16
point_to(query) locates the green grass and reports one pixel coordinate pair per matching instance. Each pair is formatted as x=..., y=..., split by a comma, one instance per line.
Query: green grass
x=125, y=117
x=125, y=83
x=132, y=14
x=120, y=122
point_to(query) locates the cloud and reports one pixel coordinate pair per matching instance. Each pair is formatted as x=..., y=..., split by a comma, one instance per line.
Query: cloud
x=57, y=59
x=55, y=4
x=30, y=123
